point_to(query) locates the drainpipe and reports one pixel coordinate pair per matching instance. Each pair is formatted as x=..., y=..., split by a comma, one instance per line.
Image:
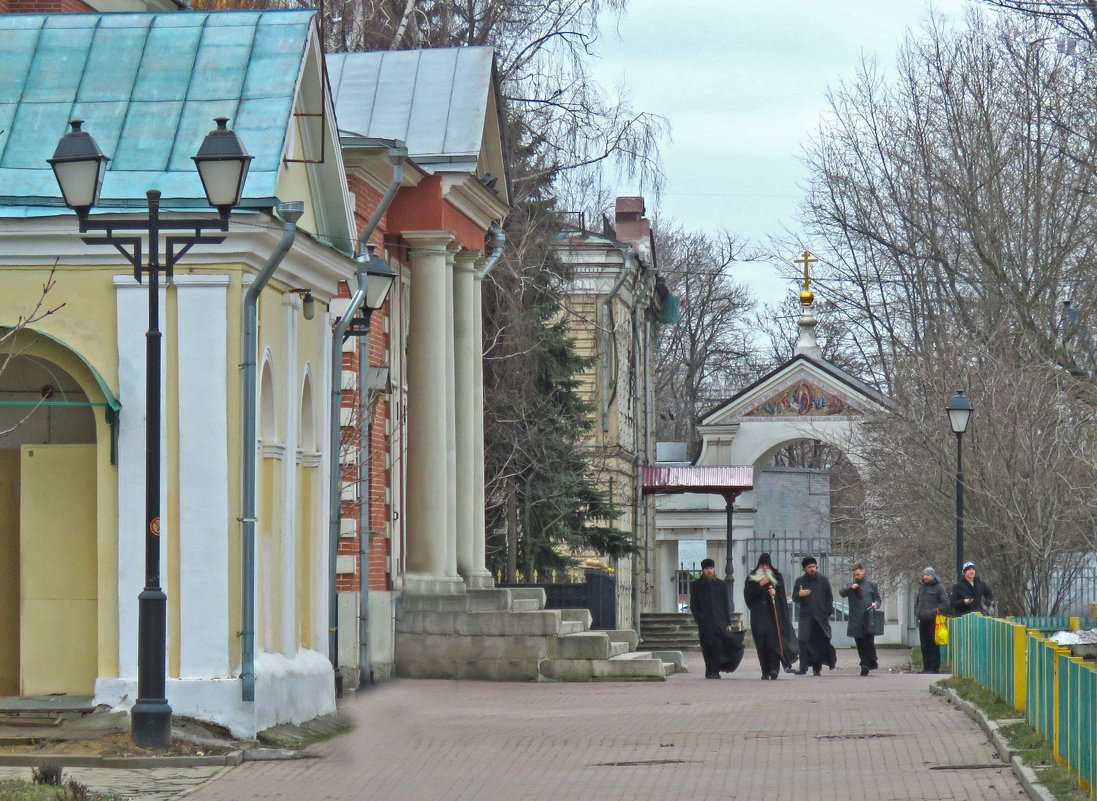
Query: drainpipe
x=397, y=155
x=290, y=213
x=607, y=314
x=496, y=238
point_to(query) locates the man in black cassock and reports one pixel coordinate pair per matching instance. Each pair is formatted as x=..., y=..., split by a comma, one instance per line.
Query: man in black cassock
x=770, y=624
x=813, y=595
x=708, y=603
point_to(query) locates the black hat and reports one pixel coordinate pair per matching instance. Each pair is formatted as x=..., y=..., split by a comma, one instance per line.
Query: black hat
x=707, y=563
x=765, y=560
x=808, y=560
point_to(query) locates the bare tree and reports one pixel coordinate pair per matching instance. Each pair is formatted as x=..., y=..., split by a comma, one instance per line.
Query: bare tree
x=1076, y=18
x=13, y=344
x=957, y=205
x=960, y=197
x=705, y=355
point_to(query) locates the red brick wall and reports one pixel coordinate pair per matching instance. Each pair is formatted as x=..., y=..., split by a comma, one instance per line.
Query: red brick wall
x=375, y=445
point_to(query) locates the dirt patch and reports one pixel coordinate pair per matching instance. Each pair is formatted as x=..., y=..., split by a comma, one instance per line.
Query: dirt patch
x=112, y=745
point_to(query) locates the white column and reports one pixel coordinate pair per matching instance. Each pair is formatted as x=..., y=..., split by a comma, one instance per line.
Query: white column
x=132, y=305
x=204, y=533
x=467, y=348
x=483, y=579
x=291, y=400
x=451, y=418
x=427, y=441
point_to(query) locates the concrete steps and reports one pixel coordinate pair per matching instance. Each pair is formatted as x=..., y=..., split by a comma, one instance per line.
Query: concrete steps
x=671, y=631
x=506, y=634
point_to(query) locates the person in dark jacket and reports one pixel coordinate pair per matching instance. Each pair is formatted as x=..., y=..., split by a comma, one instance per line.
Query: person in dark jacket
x=813, y=595
x=862, y=596
x=970, y=594
x=770, y=624
x=932, y=600
x=708, y=603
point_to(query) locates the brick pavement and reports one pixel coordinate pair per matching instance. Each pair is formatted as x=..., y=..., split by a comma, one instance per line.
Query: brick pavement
x=836, y=737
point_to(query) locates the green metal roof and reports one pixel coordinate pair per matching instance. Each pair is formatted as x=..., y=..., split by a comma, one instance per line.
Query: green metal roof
x=148, y=87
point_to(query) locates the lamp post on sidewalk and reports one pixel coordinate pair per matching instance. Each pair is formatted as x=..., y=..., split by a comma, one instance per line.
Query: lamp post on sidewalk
x=79, y=166
x=959, y=414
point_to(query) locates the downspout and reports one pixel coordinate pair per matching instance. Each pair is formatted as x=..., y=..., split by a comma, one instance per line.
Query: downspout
x=397, y=155
x=496, y=238
x=607, y=315
x=290, y=213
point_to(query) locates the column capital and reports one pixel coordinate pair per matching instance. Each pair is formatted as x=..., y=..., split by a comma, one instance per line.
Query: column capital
x=428, y=239
x=468, y=260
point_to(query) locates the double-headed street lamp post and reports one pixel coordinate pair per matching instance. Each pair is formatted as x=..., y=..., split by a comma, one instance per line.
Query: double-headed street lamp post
x=79, y=166
x=959, y=414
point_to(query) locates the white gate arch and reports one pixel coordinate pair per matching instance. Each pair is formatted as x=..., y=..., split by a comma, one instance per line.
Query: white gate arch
x=807, y=397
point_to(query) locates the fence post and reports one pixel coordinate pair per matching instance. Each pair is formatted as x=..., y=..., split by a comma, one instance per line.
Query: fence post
x=1057, y=680
x=1020, y=667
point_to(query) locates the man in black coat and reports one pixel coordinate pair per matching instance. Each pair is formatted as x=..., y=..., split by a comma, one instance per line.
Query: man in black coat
x=970, y=594
x=708, y=603
x=863, y=597
x=770, y=624
x=813, y=595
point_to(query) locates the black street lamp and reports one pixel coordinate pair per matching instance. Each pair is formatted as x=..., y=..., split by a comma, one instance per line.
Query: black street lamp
x=79, y=164
x=959, y=414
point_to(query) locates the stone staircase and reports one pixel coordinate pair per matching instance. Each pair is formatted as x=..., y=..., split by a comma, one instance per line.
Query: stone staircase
x=672, y=631
x=506, y=634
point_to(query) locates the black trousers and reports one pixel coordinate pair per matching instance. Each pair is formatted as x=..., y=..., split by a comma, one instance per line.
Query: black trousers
x=931, y=651
x=712, y=651
x=770, y=661
x=866, y=651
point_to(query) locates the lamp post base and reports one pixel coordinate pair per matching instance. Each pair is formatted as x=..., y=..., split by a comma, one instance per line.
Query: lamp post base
x=150, y=724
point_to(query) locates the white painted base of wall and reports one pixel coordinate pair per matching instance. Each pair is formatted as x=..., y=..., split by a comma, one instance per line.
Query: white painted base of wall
x=286, y=691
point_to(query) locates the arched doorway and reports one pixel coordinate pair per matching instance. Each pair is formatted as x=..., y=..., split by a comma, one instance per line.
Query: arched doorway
x=50, y=428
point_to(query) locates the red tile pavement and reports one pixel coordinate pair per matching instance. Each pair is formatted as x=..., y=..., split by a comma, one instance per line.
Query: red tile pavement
x=838, y=736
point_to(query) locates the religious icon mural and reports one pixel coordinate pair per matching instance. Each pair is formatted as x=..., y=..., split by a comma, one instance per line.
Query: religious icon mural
x=802, y=399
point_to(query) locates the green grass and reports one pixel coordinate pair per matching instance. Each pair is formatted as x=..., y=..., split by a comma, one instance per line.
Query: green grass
x=993, y=706
x=54, y=788
x=1033, y=749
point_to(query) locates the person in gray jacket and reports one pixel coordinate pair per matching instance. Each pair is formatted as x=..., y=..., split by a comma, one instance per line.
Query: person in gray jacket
x=931, y=599
x=862, y=596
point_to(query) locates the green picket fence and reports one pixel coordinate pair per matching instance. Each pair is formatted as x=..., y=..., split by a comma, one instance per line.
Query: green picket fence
x=1056, y=692
x=1056, y=622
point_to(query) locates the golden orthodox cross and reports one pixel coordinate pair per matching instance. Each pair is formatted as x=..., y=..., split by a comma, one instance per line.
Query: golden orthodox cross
x=805, y=260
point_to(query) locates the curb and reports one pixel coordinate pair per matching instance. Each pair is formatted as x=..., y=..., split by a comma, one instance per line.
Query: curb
x=138, y=762
x=1026, y=775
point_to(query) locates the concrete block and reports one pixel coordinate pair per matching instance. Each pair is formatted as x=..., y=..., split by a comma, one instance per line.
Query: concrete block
x=617, y=647
x=624, y=635
x=508, y=624
x=526, y=604
x=582, y=615
x=435, y=603
x=629, y=667
x=537, y=593
x=501, y=669
x=673, y=657
x=571, y=627
x=567, y=669
x=493, y=600
x=583, y=645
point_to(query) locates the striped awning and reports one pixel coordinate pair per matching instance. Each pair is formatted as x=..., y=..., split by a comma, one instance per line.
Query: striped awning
x=718, y=479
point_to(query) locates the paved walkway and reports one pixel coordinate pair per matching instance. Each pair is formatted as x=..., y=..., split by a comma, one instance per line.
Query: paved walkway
x=837, y=737
x=831, y=738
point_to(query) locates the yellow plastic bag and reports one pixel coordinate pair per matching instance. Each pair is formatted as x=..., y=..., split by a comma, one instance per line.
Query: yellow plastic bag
x=940, y=630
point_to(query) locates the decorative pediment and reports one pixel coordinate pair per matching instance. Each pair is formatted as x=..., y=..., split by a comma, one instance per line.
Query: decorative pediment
x=804, y=399
x=801, y=388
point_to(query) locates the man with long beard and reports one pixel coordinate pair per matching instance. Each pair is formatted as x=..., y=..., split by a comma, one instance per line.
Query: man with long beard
x=770, y=625
x=813, y=596
x=708, y=603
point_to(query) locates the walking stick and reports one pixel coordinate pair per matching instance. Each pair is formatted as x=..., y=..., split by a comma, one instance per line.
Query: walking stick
x=777, y=622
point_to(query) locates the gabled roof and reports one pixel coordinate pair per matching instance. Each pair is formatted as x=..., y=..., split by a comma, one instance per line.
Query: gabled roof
x=148, y=87
x=439, y=102
x=800, y=379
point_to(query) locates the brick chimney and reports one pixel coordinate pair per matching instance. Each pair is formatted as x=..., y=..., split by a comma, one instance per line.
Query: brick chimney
x=631, y=226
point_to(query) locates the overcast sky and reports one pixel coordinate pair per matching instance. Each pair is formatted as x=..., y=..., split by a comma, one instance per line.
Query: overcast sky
x=743, y=84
